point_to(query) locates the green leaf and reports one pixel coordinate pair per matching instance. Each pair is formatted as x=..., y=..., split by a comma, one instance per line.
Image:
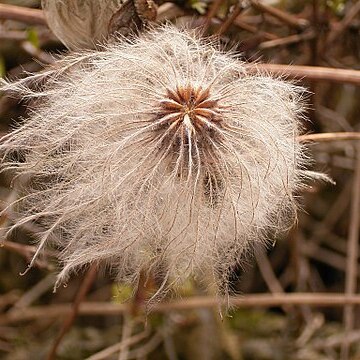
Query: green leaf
x=121, y=293
x=337, y=6
x=199, y=6
x=2, y=67
x=33, y=37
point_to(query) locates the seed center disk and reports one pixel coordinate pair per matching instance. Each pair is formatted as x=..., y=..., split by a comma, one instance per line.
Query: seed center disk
x=189, y=109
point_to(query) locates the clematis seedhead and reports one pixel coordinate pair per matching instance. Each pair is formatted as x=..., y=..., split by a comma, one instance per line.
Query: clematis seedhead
x=160, y=155
x=80, y=24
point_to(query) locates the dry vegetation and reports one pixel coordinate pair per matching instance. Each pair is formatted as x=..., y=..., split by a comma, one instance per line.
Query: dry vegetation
x=297, y=300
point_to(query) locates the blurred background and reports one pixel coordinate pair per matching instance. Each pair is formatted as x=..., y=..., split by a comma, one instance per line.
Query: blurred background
x=297, y=300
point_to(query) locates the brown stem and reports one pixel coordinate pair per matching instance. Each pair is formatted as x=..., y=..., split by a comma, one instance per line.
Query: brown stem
x=23, y=14
x=329, y=136
x=283, y=16
x=292, y=39
x=246, y=301
x=316, y=73
x=269, y=276
x=229, y=20
x=26, y=251
x=341, y=27
x=352, y=256
x=253, y=29
x=211, y=13
x=71, y=316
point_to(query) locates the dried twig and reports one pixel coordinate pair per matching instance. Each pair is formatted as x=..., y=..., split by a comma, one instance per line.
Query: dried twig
x=8, y=299
x=345, y=22
x=211, y=13
x=333, y=116
x=337, y=136
x=246, y=301
x=44, y=35
x=13, y=35
x=104, y=354
x=352, y=256
x=336, y=340
x=146, y=349
x=283, y=16
x=316, y=73
x=169, y=11
x=34, y=292
x=253, y=29
x=37, y=53
x=292, y=39
x=315, y=323
x=126, y=334
x=26, y=251
x=326, y=256
x=23, y=14
x=229, y=20
x=83, y=290
x=269, y=276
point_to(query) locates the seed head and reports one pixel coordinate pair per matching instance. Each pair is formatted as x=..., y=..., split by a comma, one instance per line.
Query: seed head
x=160, y=153
x=80, y=24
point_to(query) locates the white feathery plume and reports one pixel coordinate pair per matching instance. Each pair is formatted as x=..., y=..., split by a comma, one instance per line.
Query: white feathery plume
x=159, y=153
x=80, y=24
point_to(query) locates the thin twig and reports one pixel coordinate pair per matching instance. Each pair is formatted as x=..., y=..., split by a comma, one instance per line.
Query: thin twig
x=26, y=251
x=269, y=276
x=37, y=53
x=45, y=35
x=283, y=16
x=13, y=35
x=352, y=256
x=169, y=11
x=34, y=293
x=168, y=340
x=336, y=340
x=83, y=290
x=146, y=349
x=288, y=40
x=211, y=13
x=253, y=29
x=337, y=136
x=333, y=214
x=106, y=353
x=334, y=116
x=345, y=22
x=126, y=334
x=314, y=43
x=315, y=323
x=316, y=73
x=8, y=299
x=23, y=14
x=325, y=256
x=230, y=19
x=246, y=301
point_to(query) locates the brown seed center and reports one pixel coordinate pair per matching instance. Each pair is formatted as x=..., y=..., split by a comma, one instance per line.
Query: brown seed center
x=190, y=108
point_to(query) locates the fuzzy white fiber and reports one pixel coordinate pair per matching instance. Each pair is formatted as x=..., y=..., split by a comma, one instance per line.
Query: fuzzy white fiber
x=159, y=153
x=80, y=24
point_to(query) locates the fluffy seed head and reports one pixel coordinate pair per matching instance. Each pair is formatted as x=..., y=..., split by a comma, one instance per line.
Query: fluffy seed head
x=80, y=24
x=159, y=155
